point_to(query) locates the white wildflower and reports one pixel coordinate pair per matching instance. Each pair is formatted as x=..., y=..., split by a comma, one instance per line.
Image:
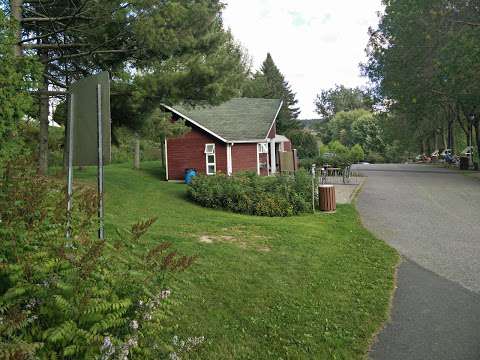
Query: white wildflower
x=134, y=324
x=175, y=340
x=174, y=356
x=165, y=294
x=107, y=348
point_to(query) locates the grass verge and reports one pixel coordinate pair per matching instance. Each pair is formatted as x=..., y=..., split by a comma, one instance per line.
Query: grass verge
x=311, y=286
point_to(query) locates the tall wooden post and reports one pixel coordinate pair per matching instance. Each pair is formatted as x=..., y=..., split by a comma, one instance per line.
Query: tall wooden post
x=136, y=159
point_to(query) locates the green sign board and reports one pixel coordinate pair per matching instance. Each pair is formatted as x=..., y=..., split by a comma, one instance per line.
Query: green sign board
x=87, y=108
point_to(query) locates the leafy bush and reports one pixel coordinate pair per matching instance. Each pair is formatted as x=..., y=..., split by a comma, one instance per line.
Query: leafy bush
x=81, y=298
x=356, y=153
x=307, y=163
x=394, y=153
x=375, y=158
x=304, y=142
x=248, y=193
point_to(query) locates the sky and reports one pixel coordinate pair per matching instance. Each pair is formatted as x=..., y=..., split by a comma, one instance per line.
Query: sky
x=315, y=43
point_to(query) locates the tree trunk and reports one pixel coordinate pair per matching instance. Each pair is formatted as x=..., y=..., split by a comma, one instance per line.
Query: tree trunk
x=16, y=8
x=136, y=159
x=444, y=138
x=43, y=119
x=453, y=145
x=450, y=132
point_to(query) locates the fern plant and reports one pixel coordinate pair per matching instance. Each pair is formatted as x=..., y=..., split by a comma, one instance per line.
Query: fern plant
x=81, y=298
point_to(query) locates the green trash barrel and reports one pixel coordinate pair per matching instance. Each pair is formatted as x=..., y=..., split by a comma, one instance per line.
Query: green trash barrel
x=464, y=163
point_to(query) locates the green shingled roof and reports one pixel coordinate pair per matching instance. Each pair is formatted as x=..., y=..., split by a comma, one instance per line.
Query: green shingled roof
x=238, y=119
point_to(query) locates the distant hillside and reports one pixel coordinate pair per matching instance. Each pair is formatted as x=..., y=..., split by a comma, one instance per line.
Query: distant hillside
x=309, y=123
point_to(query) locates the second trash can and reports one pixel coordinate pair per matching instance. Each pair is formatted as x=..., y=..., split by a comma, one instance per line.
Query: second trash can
x=189, y=174
x=464, y=163
x=327, y=199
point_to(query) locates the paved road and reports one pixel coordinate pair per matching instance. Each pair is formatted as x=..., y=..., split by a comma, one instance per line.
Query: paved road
x=432, y=217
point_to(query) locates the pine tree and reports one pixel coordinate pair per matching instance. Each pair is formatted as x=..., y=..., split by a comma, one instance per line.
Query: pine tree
x=269, y=82
x=180, y=49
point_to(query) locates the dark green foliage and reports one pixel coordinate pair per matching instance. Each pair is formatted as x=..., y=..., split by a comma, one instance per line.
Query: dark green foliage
x=375, y=158
x=423, y=62
x=305, y=142
x=17, y=77
x=78, y=298
x=269, y=83
x=335, y=155
x=251, y=194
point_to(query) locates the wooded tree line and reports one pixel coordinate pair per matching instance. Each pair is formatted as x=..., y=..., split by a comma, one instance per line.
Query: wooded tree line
x=155, y=51
x=423, y=62
x=349, y=122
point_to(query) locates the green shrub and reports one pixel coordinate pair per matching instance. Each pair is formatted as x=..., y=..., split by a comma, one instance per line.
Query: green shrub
x=375, y=158
x=356, y=153
x=248, y=193
x=81, y=298
x=304, y=142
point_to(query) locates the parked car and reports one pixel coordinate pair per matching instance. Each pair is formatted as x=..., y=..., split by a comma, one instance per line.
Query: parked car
x=423, y=158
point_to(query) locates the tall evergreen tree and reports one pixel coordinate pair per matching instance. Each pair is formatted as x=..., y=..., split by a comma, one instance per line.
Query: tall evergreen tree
x=269, y=82
x=179, y=47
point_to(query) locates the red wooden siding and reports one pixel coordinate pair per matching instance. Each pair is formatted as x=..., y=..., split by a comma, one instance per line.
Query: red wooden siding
x=244, y=157
x=188, y=151
x=273, y=131
x=287, y=146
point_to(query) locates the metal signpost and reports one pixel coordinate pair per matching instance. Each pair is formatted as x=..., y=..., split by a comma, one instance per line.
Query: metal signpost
x=313, y=187
x=89, y=136
x=71, y=124
x=100, y=162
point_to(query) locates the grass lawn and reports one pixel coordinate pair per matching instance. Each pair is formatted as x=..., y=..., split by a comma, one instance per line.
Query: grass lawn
x=306, y=287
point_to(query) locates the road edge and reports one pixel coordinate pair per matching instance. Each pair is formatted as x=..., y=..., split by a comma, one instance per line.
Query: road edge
x=388, y=313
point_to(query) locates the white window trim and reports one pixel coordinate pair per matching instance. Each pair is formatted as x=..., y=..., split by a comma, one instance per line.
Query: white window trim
x=209, y=152
x=262, y=148
x=273, y=158
x=207, y=164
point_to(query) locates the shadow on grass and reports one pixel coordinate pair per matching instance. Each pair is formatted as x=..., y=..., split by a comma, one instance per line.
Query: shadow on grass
x=156, y=171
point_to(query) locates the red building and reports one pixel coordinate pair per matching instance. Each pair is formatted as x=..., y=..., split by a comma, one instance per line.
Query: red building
x=238, y=135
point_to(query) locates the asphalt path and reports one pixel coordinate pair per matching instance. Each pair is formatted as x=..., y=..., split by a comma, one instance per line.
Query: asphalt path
x=432, y=217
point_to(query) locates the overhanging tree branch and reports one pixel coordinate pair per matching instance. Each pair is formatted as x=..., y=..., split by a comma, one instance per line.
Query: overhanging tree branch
x=55, y=19
x=52, y=46
x=87, y=53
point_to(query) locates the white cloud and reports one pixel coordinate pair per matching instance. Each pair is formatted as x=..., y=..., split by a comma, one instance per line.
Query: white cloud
x=315, y=43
